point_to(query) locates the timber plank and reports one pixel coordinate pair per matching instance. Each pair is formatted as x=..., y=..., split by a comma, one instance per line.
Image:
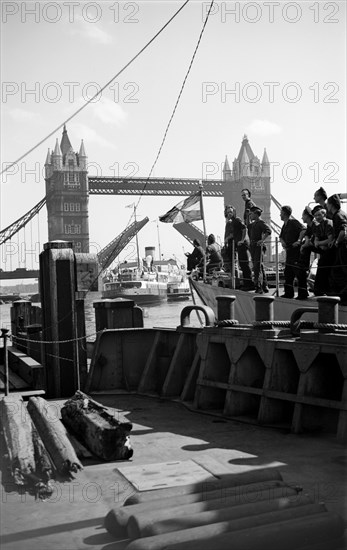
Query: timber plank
x=15, y=381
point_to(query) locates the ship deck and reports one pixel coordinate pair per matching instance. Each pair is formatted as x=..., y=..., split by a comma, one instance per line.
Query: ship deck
x=164, y=432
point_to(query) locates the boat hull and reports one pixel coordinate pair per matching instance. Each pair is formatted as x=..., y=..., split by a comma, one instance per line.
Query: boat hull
x=245, y=307
x=140, y=298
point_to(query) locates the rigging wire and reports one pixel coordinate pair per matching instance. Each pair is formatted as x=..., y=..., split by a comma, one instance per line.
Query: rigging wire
x=99, y=92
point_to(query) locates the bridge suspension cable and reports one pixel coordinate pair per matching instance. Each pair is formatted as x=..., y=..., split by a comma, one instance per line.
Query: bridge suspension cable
x=12, y=229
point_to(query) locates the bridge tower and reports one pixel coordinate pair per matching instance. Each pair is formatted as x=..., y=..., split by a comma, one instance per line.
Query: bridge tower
x=67, y=194
x=248, y=172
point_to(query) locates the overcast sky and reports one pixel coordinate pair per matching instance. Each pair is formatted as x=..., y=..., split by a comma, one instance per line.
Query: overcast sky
x=273, y=70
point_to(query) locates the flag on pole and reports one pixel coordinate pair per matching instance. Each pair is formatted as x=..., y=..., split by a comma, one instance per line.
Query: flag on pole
x=188, y=210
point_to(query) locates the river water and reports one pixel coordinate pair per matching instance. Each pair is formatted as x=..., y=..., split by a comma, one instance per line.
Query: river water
x=166, y=314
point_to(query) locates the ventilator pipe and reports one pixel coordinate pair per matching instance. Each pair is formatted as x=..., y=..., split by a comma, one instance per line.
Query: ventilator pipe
x=264, y=309
x=225, y=307
x=328, y=309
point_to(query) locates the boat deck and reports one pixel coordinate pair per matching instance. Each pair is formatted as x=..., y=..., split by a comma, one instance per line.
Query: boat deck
x=167, y=431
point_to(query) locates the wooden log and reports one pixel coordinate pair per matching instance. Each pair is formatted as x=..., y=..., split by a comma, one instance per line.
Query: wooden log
x=18, y=438
x=117, y=519
x=97, y=429
x=209, y=533
x=150, y=523
x=252, y=476
x=55, y=438
x=299, y=533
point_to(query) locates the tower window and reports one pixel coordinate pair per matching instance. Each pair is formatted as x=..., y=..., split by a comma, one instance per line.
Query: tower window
x=72, y=229
x=71, y=179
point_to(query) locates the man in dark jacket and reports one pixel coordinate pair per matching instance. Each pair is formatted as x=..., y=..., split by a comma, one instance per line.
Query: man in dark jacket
x=290, y=237
x=323, y=239
x=195, y=258
x=339, y=270
x=258, y=232
x=235, y=238
x=213, y=254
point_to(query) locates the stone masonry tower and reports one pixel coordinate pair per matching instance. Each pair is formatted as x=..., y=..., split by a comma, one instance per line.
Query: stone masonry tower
x=248, y=172
x=67, y=194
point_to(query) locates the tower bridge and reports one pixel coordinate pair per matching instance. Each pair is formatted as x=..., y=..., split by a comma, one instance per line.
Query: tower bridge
x=68, y=188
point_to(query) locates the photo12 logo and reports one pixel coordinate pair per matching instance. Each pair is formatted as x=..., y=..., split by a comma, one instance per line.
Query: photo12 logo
x=53, y=92
x=270, y=92
x=70, y=12
x=272, y=12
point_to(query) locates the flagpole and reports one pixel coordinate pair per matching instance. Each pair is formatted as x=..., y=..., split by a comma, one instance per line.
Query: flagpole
x=203, y=225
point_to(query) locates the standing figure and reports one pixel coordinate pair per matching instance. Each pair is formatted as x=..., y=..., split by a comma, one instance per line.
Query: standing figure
x=306, y=248
x=258, y=232
x=236, y=232
x=323, y=239
x=213, y=254
x=195, y=258
x=339, y=270
x=290, y=237
x=320, y=197
x=246, y=196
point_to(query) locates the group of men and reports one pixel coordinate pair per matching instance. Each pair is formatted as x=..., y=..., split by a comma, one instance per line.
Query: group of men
x=323, y=232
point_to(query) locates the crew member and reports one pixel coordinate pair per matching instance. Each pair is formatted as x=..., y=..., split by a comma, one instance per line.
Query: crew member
x=235, y=237
x=290, y=237
x=320, y=197
x=196, y=257
x=246, y=197
x=213, y=254
x=339, y=270
x=306, y=248
x=258, y=232
x=323, y=239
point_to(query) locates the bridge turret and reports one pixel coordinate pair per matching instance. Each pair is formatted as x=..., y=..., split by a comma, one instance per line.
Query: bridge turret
x=82, y=157
x=48, y=165
x=56, y=157
x=265, y=165
x=226, y=170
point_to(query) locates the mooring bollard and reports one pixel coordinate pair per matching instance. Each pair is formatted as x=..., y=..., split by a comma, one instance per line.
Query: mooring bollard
x=328, y=310
x=117, y=313
x=225, y=307
x=264, y=308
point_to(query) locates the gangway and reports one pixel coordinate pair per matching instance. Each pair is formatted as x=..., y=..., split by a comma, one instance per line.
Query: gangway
x=108, y=254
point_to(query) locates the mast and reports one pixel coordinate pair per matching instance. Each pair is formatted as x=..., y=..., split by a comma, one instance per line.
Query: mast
x=204, y=227
x=137, y=241
x=158, y=239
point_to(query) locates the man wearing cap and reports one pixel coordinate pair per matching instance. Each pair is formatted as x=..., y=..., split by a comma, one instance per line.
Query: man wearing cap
x=258, y=231
x=291, y=236
x=339, y=270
